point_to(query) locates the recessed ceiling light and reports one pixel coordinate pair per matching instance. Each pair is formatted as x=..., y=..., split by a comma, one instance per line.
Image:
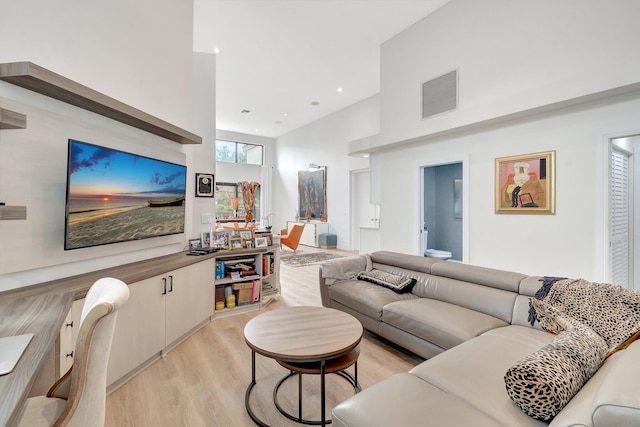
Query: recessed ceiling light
x=278, y=122
x=256, y=130
x=286, y=114
x=216, y=50
x=339, y=89
x=365, y=155
x=314, y=103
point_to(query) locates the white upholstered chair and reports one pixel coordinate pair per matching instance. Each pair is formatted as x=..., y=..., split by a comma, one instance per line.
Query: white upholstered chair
x=79, y=397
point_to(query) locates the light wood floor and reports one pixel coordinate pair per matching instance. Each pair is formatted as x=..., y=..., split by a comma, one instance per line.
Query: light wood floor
x=202, y=382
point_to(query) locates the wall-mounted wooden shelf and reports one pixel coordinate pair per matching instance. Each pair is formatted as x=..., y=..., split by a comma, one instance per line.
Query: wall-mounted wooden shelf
x=13, y=213
x=12, y=120
x=33, y=77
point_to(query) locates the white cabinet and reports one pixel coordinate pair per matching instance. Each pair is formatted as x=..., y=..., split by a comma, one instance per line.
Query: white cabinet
x=189, y=299
x=312, y=230
x=140, y=329
x=369, y=240
x=161, y=311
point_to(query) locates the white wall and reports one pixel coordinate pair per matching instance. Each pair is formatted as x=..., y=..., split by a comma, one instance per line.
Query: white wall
x=325, y=143
x=510, y=56
x=570, y=243
x=140, y=54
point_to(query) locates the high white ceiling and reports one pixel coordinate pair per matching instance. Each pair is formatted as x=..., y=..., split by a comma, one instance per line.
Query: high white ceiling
x=277, y=57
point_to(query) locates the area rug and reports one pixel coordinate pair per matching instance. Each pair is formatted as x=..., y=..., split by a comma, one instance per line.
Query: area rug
x=299, y=260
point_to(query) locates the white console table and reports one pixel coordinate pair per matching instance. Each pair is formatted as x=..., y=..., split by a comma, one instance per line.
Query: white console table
x=312, y=230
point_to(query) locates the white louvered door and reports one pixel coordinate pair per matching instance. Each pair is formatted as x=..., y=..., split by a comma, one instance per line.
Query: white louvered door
x=620, y=218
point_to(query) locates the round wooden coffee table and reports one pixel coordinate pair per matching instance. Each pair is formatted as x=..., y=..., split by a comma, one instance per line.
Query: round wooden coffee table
x=302, y=336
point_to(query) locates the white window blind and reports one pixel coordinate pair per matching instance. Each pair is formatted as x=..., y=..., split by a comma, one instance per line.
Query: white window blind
x=619, y=217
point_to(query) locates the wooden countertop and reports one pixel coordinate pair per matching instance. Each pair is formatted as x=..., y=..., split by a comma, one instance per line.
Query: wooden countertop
x=41, y=315
x=128, y=273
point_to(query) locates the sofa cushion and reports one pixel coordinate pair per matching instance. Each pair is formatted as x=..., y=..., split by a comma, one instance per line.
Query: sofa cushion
x=500, y=279
x=406, y=400
x=438, y=322
x=542, y=383
x=365, y=297
x=395, y=282
x=474, y=370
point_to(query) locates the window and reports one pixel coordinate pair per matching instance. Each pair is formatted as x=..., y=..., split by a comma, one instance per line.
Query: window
x=239, y=152
x=225, y=191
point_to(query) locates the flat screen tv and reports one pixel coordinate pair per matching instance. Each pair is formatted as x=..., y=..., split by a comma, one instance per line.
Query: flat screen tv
x=114, y=196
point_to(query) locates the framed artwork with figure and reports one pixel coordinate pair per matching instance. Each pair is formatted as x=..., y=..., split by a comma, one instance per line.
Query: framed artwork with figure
x=525, y=184
x=312, y=193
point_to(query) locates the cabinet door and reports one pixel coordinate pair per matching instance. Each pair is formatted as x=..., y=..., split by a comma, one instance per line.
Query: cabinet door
x=140, y=328
x=189, y=298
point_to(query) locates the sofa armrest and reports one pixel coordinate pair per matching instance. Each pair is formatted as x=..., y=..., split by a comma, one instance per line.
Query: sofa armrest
x=324, y=289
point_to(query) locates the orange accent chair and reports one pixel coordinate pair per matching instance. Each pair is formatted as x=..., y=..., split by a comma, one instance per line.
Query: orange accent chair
x=291, y=240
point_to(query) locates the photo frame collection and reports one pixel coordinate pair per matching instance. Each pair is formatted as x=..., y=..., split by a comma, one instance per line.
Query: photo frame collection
x=231, y=239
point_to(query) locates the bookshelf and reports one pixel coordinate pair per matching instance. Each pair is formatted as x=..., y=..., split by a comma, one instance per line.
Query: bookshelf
x=252, y=276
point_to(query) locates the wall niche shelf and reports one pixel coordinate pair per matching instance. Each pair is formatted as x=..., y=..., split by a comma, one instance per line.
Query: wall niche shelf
x=33, y=77
x=12, y=120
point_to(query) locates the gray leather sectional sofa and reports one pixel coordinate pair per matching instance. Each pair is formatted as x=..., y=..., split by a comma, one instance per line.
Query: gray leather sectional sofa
x=471, y=324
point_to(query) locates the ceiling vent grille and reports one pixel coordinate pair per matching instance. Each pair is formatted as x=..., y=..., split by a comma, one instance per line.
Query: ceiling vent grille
x=440, y=94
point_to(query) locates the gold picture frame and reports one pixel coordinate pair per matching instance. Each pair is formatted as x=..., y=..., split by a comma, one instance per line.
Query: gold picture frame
x=526, y=184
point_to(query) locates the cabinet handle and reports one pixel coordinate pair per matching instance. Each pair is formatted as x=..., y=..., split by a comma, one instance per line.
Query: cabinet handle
x=70, y=355
x=170, y=283
x=164, y=286
x=69, y=325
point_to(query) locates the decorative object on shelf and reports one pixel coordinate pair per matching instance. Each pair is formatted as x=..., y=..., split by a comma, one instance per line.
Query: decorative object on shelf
x=525, y=184
x=234, y=206
x=194, y=244
x=235, y=243
x=267, y=222
x=220, y=239
x=204, y=185
x=206, y=239
x=261, y=242
x=312, y=195
x=248, y=197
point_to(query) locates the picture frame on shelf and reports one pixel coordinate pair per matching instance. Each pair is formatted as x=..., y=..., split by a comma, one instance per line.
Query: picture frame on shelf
x=205, y=185
x=261, y=242
x=235, y=243
x=246, y=234
x=525, y=184
x=206, y=239
x=220, y=239
x=194, y=244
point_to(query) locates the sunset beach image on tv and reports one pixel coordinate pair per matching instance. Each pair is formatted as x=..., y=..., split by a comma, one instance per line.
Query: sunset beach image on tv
x=114, y=196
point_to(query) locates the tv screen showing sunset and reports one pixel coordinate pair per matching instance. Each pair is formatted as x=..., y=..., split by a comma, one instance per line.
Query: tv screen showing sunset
x=114, y=196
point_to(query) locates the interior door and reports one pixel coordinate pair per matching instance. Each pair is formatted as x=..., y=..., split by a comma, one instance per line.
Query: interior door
x=364, y=213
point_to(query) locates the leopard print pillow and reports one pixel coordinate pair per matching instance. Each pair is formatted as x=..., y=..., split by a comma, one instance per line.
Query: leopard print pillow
x=542, y=383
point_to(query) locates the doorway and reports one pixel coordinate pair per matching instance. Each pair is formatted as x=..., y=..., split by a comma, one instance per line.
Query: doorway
x=442, y=215
x=364, y=215
x=623, y=204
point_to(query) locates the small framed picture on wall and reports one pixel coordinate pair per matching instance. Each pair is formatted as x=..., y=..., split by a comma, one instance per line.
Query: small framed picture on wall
x=204, y=185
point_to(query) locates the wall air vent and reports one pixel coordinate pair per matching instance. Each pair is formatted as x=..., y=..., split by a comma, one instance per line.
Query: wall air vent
x=440, y=94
